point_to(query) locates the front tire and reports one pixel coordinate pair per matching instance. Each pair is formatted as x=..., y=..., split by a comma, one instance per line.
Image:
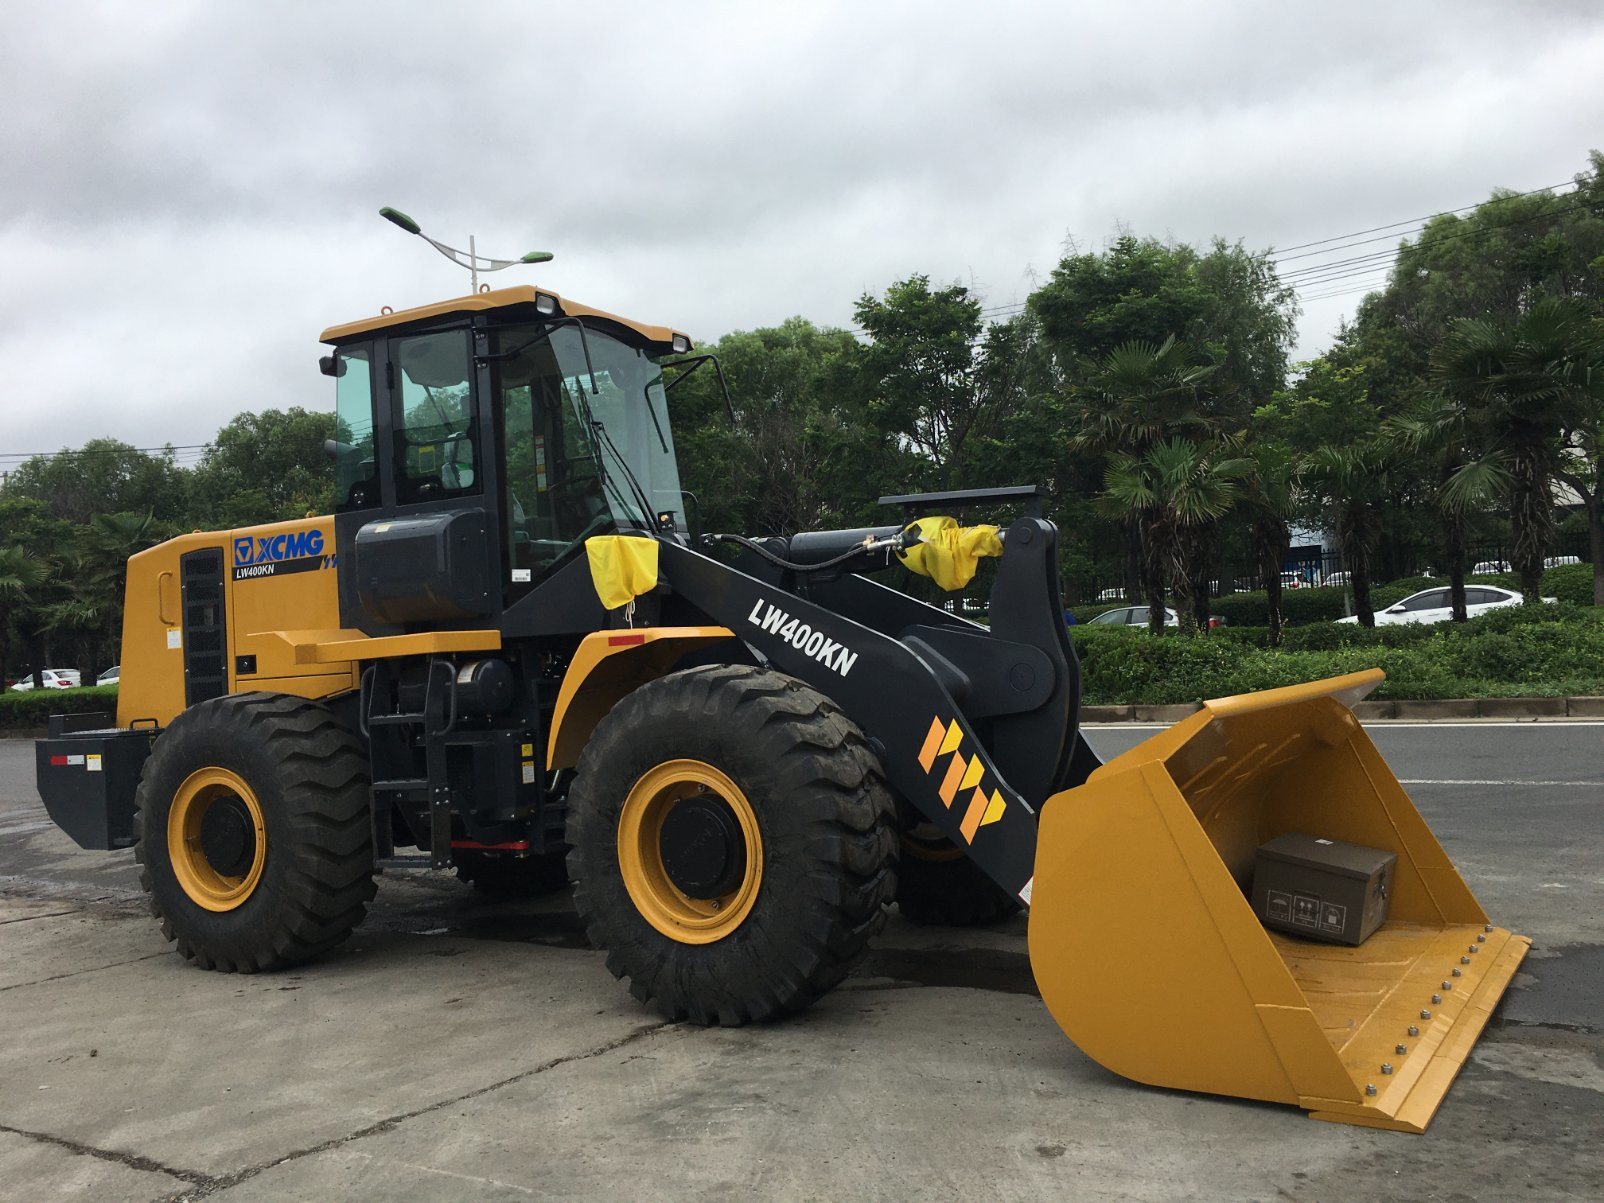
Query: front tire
x=253, y=832
x=734, y=846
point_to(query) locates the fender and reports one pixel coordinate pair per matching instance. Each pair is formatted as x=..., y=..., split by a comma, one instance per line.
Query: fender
x=606, y=666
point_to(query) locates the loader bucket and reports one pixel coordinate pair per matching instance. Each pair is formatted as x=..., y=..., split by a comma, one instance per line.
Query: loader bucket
x=1149, y=955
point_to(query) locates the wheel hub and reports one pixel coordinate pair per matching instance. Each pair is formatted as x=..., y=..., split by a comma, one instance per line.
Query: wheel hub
x=704, y=853
x=228, y=837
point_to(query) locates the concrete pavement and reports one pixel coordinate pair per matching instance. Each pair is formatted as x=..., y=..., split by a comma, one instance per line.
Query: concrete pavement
x=454, y=1050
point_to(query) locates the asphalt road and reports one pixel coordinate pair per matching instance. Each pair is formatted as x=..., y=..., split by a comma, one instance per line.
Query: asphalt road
x=454, y=1050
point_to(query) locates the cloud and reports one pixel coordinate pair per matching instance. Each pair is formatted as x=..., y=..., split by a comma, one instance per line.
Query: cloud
x=190, y=189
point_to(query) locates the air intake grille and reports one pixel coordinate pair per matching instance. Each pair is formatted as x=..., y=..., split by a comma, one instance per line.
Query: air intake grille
x=205, y=636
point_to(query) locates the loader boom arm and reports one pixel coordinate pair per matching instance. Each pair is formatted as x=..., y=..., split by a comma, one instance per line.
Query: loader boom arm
x=931, y=752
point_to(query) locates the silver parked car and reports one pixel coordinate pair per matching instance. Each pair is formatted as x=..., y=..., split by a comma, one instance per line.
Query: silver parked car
x=1136, y=616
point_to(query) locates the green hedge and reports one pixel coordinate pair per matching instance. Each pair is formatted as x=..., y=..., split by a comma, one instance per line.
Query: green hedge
x=1571, y=583
x=23, y=711
x=1518, y=652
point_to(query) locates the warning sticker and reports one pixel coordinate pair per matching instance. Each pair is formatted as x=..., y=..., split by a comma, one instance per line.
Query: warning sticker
x=175, y=640
x=529, y=772
x=1306, y=911
x=1278, y=905
x=1333, y=917
x=92, y=762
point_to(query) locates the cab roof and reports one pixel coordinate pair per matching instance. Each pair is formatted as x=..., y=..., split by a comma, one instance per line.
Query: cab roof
x=500, y=298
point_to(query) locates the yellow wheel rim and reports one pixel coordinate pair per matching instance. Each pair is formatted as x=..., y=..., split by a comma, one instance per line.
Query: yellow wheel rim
x=201, y=792
x=640, y=853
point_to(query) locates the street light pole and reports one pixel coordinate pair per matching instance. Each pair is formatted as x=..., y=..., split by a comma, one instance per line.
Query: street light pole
x=470, y=259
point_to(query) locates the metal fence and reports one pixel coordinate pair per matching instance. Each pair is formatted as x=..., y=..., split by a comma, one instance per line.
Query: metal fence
x=1313, y=567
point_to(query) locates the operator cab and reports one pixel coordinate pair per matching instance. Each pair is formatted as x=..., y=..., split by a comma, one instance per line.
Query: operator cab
x=489, y=437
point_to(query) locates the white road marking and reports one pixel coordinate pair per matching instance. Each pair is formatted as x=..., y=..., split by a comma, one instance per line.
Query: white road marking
x=1466, y=781
x=1552, y=724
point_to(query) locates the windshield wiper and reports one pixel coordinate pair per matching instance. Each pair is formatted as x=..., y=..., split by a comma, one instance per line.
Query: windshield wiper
x=658, y=426
x=545, y=334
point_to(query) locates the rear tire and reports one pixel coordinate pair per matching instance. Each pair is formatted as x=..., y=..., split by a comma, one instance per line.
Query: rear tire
x=938, y=886
x=503, y=878
x=253, y=832
x=785, y=791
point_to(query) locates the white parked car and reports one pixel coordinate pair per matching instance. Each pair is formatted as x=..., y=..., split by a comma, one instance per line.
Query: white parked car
x=1338, y=578
x=1436, y=605
x=1489, y=567
x=53, y=678
x=1111, y=594
x=111, y=676
x=1136, y=616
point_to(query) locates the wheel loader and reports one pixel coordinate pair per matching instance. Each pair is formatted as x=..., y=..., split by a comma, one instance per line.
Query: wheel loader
x=512, y=650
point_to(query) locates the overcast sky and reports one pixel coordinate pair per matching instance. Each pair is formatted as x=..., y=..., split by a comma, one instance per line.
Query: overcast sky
x=188, y=190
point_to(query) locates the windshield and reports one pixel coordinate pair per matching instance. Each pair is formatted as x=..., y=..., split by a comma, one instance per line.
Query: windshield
x=588, y=445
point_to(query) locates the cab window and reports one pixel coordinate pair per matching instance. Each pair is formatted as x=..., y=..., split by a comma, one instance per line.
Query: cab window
x=356, y=477
x=554, y=496
x=434, y=438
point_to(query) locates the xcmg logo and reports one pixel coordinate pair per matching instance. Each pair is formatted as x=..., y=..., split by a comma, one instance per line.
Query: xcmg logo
x=258, y=549
x=270, y=555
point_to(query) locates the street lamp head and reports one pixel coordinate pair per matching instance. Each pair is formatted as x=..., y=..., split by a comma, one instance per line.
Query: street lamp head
x=396, y=217
x=536, y=257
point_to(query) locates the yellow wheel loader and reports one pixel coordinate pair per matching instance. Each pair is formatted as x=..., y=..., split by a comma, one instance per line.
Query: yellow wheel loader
x=512, y=650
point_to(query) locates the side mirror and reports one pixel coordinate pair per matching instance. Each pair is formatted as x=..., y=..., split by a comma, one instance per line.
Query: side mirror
x=331, y=365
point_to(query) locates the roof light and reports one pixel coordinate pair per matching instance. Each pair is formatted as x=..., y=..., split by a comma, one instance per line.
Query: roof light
x=545, y=304
x=681, y=344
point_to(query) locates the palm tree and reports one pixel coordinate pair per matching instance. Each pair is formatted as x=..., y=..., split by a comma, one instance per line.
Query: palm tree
x=1350, y=482
x=1269, y=496
x=1467, y=483
x=1521, y=385
x=1181, y=488
x=1124, y=402
x=23, y=577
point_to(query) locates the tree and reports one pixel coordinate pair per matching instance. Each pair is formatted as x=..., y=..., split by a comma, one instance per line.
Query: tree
x=22, y=578
x=1180, y=488
x=1349, y=483
x=1521, y=384
x=1269, y=495
x=802, y=453
x=1582, y=455
x=1226, y=304
x=1466, y=485
x=101, y=476
x=1125, y=402
x=926, y=375
x=262, y=467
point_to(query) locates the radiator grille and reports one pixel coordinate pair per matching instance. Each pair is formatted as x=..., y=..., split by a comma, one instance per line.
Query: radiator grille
x=205, y=637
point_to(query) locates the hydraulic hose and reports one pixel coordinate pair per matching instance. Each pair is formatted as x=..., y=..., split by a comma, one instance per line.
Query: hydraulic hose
x=871, y=544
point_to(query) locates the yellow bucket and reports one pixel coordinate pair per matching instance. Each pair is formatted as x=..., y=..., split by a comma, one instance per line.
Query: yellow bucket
x=1149, y=956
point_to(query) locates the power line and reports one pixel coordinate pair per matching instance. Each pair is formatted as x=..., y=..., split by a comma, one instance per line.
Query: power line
x=1363, y=265
x=187, y=449
x=1412, y=221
